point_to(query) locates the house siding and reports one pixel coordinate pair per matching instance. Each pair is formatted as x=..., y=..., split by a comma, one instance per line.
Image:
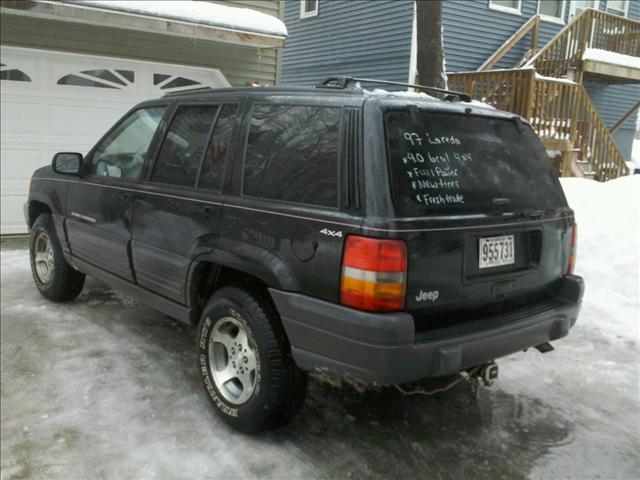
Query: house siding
x=357, y=38
x=373, y=39
x=239, y=64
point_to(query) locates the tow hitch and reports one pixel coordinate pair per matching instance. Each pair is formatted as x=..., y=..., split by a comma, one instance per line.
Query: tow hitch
x=488, y=373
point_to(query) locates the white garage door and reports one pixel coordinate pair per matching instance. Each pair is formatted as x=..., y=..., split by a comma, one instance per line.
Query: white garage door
x=56, y=101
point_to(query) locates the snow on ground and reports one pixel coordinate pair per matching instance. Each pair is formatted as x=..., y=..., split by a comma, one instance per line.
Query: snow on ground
x=205, y=13
x=608, y=219
x=104, y=387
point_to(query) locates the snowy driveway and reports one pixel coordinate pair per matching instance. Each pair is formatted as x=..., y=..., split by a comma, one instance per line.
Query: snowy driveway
x=106, y=388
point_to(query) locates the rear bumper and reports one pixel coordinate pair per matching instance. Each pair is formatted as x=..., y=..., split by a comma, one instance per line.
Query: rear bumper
x=383, y=349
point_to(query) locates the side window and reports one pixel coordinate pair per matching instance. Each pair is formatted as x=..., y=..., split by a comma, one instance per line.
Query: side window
x=292, y=154
x=218, y=150
x=123, y=152
x=184, y=146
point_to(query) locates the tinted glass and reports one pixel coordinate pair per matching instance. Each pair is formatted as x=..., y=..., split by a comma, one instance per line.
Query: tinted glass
x=444, y=164
x=292, y=154
x=218, y=150
x=184, y=146
x=123, y=152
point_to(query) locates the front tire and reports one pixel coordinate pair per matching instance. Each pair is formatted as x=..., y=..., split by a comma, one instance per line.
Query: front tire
x=245, y=362
x=55, y=279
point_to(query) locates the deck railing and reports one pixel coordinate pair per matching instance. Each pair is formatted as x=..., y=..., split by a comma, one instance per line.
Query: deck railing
x=562, y=56
x=557, y=109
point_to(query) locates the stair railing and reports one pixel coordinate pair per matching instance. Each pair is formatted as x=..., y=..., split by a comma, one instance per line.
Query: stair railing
x=562, y=56
x=557, y=109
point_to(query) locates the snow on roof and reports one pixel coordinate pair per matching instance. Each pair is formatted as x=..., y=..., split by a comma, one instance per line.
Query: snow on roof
x=606, y=56
x=204, y=13
x=412, y=94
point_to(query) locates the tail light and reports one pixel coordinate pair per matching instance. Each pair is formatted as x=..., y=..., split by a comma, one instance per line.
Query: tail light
x=573, y=250
x=373, y=274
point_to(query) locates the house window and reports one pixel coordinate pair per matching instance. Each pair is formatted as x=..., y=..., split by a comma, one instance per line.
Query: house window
x=552, y=10
x=619, y=7
x=9, y=73
x=100, y=78
x=308, y=8
x=166, y=82
x=577, y=6
x=509, y=6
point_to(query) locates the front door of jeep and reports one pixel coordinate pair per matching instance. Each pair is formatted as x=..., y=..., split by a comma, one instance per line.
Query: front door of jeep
x=99, y=206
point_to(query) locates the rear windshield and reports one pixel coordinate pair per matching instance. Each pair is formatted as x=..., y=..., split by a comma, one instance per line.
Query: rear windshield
x=444, y=163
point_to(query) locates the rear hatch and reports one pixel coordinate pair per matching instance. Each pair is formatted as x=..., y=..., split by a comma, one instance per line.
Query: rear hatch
x=486, y=222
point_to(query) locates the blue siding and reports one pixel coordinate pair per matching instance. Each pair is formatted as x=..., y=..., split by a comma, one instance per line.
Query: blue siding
x=473, y=32
x=373, y=39
x=358, y=38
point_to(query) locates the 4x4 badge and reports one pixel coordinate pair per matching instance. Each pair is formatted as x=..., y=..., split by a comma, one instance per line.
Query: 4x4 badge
x=331, y=233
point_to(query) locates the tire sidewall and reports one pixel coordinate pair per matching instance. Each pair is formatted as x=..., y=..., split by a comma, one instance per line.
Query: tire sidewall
x=44, y=224
x=254, y=407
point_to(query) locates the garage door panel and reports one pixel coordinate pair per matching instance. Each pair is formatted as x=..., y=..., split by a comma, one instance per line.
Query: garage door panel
x=48, y=113
x=83, y=120
x=19, y=117
x=18, y=163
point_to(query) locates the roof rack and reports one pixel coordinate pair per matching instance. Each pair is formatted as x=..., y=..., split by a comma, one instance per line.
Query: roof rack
x=345, y=82
x=187, y=92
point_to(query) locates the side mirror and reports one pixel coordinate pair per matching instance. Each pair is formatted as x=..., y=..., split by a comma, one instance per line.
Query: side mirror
x=67, y=162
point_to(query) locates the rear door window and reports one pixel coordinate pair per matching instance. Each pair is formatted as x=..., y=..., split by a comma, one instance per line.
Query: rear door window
x=292, y=154
x=218, y=149
x=185, y=145
x=458, y=164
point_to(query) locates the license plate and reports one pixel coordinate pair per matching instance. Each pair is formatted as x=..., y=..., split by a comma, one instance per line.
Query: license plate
x=496, y=251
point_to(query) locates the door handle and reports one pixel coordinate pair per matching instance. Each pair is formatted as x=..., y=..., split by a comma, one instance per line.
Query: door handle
x=124, y=195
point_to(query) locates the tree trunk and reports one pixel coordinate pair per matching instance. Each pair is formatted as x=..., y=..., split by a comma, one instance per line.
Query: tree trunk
x=430, y=51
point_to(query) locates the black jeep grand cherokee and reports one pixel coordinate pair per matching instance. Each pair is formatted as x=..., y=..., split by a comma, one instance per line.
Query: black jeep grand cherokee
x=382, y=238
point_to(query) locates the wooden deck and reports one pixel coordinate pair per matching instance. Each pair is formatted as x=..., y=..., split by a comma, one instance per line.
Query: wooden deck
x=548, y=89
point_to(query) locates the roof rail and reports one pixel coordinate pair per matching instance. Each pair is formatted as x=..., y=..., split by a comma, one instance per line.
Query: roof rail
x=187, y=92
x=344, y=82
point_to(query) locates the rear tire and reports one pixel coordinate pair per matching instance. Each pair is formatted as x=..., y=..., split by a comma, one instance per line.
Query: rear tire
x=245, y=362
x=55, y=279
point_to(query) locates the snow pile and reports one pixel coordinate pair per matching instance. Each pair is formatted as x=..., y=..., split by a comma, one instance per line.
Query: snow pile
x=204, y=13
x=608, y=218
x=606, y=56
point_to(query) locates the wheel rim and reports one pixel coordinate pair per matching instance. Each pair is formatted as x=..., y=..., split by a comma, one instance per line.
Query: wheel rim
x=233, y=360
x=43, y=257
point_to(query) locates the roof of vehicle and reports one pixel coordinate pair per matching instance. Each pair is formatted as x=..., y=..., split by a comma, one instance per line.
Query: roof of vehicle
x=348, y=87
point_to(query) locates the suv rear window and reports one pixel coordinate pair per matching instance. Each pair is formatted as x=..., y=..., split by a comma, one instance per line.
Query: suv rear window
x=444, y=163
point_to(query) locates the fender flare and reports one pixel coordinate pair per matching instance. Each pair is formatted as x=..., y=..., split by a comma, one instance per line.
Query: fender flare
x=264, y=266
